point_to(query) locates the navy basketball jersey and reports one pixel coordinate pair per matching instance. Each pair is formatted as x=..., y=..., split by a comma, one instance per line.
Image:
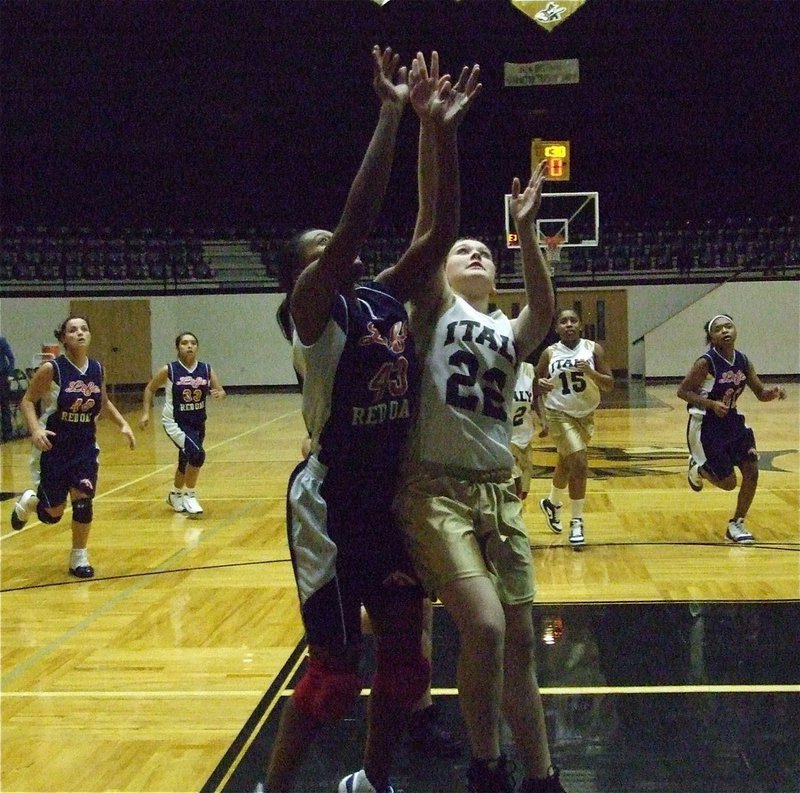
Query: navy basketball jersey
x=186, y=395
x=74, y=402
x=360, y=392
x=725, y=381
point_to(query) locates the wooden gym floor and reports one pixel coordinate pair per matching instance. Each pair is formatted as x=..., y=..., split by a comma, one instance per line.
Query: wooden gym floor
x=667, y=656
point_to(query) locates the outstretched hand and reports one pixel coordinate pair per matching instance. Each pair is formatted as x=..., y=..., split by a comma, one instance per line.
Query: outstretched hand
x=424, y=84
x=524, y=204
x=461, y=96
x=434, y=97
x=389, y=81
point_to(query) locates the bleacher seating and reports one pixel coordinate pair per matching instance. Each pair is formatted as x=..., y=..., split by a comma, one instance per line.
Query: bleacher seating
x=42, y=259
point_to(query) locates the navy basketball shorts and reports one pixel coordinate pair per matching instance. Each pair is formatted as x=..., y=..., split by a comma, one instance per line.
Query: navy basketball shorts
x=60, y=470
x=335, y=577
x=725, y=444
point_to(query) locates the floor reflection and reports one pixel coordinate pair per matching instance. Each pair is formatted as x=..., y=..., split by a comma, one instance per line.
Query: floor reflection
x=734, y=729
x=639, y=698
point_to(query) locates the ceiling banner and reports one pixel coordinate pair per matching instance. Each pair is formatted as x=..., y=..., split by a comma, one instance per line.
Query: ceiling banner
x=548, y=13
x=559, y=72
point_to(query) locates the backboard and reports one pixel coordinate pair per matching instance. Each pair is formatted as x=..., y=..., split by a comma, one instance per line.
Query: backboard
x=575, y=217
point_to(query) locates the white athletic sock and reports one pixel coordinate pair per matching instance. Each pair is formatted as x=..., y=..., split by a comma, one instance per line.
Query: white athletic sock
x=557, y=495
x=79, y=557
x=577, y=507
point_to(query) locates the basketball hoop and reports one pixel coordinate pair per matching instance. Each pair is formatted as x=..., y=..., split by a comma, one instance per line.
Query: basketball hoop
x=552, y=251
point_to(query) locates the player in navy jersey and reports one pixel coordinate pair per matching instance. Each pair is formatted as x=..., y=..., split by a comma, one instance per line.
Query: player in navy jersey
x=189, y=383
x=72, y=393
x=360, y=382
x=717, y=435
x=427, y=733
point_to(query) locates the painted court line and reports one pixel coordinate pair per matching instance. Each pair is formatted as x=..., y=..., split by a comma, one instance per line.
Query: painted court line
x=159, y=470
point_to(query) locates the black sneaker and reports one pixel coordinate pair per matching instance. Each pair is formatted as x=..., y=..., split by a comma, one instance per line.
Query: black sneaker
x=82, y=571
x=481, y=778
x=550, y=784
x=429, y=736
x=552, y=513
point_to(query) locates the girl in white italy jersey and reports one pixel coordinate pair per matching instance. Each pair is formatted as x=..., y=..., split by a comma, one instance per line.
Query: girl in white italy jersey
x=522, y=429
x=572, y=373
x=458, y=505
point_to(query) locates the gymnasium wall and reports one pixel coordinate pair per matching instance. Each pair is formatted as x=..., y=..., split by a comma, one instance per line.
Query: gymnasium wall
x=238, y=333
x=240, y=337
x=767, y=318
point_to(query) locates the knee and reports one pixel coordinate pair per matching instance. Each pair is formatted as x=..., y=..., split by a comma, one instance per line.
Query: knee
x=578, y=463
x=750, y=472
x=326, y=694
x=520, y=643
x=728, y=483
x=195, y=456
x=402, y=678
x=45, y=516
x=82, y=510
x=486, y=636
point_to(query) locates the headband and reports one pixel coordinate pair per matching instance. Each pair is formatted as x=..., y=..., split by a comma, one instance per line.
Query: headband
x=714, y=319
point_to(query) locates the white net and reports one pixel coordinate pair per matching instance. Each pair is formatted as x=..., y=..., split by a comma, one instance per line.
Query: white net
x=552, y=249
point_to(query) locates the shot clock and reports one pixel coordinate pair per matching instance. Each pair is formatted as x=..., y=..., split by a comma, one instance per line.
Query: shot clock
x=556, y=153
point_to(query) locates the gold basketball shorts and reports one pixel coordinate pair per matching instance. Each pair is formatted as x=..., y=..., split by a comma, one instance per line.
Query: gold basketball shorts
x=457, y=528
x=523, y=465
x=569, y=433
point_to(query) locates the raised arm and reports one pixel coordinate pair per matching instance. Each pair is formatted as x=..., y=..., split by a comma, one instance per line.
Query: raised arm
x=536, y=316
x=441, y=107
x=317, y=286
x=423, y=84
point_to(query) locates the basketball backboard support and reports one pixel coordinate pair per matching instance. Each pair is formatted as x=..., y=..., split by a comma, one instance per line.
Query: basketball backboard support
x=575, y=217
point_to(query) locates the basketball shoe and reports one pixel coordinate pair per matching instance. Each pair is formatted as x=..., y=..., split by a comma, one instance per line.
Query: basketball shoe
x=576, y=532
x=358, y=783
x=427, y=734
x=550, y=784
x=738, y=533
x=191, y=506
x=552, y=514
x=693, y=476
x=175, y=500
x=79, y=564
x=483, y=778
x=22, y=509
